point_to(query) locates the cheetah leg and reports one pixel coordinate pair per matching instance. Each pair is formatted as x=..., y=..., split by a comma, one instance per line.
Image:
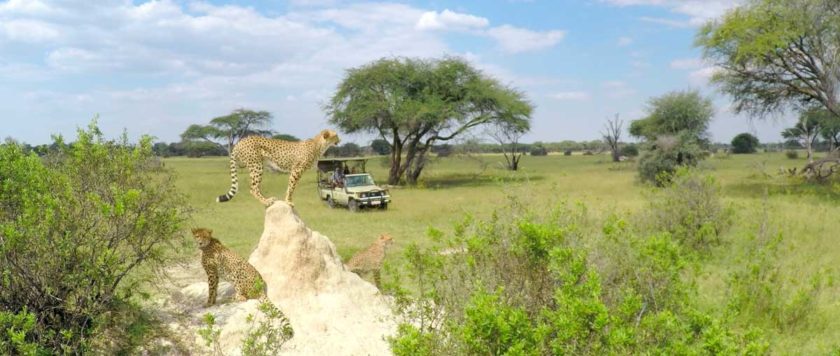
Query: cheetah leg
x=241, y=293
x=377, y=278
x=213, y=285
x=256, y=178
x=294, y=177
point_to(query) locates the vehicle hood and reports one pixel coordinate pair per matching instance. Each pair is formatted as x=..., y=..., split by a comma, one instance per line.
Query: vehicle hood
x=364, y=188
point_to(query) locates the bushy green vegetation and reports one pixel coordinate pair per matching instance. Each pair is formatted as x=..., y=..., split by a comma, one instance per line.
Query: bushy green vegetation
x=525, y=283
x=74, y=226
x=744, y=143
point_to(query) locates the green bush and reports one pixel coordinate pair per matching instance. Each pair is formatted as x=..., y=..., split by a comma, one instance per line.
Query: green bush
x=630, y=150
x=538, y=150
x=690, y=209
x=525, y=284
x=660, y=163
x=744, y=143
x=792, y=154
x=73, y=229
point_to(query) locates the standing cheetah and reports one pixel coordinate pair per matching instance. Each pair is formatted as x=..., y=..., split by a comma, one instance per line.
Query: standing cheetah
x=219, y=260
x=286, y=156
x=370, y=260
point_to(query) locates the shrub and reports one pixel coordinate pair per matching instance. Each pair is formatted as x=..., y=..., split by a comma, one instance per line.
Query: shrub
x=270, y=334
x=538, y=150
x=744, y=143
x=567, y=152
x=690, y=209
x=525, y=285
x=630, y=150
x=792, y=154
x=659, y=164
x=74, y=226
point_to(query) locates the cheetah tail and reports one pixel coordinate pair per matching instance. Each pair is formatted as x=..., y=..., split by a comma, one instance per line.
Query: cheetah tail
x=234, y=183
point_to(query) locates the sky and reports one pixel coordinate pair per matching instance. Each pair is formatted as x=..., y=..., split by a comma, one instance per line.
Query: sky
x=155, y=67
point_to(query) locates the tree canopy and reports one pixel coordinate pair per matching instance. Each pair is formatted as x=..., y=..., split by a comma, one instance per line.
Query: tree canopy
x=230, y=128
x=415, y=103
x=744, y=143
x=774, y=55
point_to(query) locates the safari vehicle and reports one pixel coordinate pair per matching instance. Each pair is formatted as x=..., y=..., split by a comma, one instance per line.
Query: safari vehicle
x=344, y=182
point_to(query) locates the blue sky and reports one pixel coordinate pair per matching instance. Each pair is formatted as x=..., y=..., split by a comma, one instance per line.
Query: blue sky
x=155, y=67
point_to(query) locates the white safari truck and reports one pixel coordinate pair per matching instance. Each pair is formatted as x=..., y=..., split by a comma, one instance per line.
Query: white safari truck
x=344, y=182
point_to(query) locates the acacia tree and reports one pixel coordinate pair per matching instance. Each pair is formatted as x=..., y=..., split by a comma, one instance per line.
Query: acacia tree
x=230, y=128
x=806, y=131
x=415, y=103
x=675, y=131
x=612, y=134
x=774, y=55
x=507, y=134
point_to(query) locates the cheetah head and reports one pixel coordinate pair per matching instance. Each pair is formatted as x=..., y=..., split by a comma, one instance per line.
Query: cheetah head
x=203, y=237
x=327, y=138
x=385, y=240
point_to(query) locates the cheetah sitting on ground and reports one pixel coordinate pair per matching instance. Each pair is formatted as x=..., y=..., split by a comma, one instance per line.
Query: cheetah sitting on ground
x=285, y=156
x=219, y=260
x=370, y=260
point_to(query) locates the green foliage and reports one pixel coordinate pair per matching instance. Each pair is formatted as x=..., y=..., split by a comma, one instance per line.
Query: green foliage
x=792, y=154
x=759, y=291
x=17, y=329
x=659, y=164
x=525, y=284
x=269, y=335
x=630, y=150
x=744, y=143
x=690, y=209
x=776, y=54
x=416, y=103
x=380, y=147
x=673, y=114
x=75, y=226
x=539, y=150
x=675, y=131
x=210, y=333
x=285, y=137
x=230, y=128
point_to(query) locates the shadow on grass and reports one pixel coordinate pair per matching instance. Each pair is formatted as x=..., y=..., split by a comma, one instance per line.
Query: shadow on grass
x=457, y=180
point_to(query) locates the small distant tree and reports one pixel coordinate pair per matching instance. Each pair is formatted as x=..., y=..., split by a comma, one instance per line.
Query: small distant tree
x=507, y=134
x=229, y=129
x=630, y=150
x=744, y=143
x=537, y=149
x=805, y=132
x=675, y=130
x=612, y=134
x=285, y=137
x=380, y=146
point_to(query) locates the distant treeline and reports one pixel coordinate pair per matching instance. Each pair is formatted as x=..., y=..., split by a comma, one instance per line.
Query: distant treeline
x=381, y=147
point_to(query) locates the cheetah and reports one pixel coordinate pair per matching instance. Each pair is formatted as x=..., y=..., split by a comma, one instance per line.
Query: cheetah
x=370, y=260
x=286, y=156
x=219, y=260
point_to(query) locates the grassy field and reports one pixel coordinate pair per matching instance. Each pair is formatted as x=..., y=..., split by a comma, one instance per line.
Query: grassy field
x=806, y=214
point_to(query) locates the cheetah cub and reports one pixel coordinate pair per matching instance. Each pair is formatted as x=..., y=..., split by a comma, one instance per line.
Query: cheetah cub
x=370, y=260
x=219, y=260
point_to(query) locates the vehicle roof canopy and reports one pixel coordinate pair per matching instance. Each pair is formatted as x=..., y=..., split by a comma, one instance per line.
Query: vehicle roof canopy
x=329, y=164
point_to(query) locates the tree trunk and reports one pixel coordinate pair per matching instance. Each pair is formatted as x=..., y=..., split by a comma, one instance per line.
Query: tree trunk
x=615, y=155
x=810, y=152
x=396, y=158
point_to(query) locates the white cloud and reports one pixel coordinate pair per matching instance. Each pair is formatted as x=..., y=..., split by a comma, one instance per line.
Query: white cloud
x=695, y=12
x=515, y=40
x=617, y=89
x=571, y=95
x=450, y=20
x=28, y=30
x=686, y=63
x=625, y=41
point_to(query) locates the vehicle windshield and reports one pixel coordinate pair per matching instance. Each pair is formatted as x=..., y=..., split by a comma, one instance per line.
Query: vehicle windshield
x=356, y=181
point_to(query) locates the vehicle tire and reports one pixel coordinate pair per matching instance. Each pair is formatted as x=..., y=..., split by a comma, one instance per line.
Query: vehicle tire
x=330, y=202
x=353, y=205
x=384, y=206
